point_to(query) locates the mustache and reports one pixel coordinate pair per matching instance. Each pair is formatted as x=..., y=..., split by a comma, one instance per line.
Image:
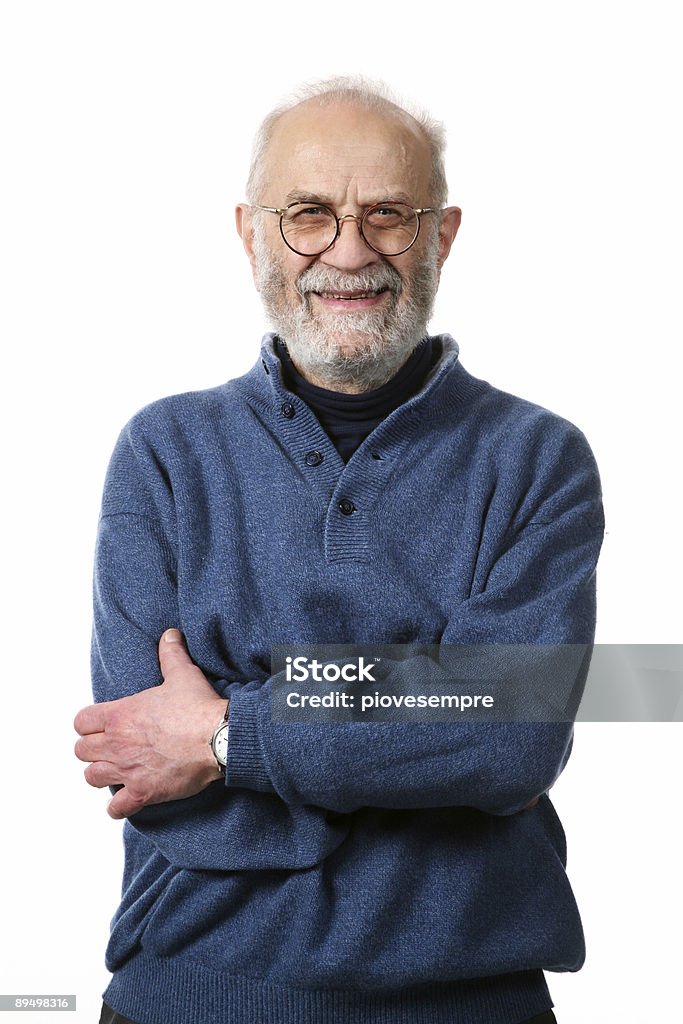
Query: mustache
x=326, y=279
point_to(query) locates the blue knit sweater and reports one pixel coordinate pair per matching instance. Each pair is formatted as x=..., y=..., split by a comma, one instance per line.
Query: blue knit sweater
x=349, y=873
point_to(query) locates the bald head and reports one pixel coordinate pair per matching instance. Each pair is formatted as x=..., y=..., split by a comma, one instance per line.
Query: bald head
x=368, y=109
x=340, y=152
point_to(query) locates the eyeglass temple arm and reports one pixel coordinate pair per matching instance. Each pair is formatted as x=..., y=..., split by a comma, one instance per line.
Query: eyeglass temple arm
x=269, y=209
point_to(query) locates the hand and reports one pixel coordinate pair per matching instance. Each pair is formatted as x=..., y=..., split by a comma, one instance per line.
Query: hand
x=156, y=743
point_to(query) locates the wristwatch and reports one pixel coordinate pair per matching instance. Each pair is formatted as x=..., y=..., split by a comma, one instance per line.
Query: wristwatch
x=219, y=742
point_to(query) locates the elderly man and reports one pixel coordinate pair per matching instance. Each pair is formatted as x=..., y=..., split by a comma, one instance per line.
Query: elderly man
x=356, y=485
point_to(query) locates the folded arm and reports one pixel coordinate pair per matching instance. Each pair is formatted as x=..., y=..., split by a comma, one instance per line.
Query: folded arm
x=540, y=589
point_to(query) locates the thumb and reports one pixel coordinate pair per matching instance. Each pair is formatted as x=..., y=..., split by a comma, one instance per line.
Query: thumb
x=172, y=652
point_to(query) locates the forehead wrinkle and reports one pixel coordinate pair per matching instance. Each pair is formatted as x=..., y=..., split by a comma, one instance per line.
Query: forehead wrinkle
x=368, y=163
x=365, y=183
x=383, y=194
x=354, y=158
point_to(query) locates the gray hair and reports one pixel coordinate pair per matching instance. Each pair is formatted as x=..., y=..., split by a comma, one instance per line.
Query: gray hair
x=368, y=93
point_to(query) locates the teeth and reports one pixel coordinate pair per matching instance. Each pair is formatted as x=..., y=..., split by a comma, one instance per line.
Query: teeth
x=365, y=295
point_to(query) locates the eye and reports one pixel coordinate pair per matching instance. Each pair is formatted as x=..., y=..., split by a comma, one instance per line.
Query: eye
x=304, y=213
x=389, y=215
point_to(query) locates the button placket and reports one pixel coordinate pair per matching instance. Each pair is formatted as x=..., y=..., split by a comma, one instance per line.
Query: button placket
x=308, y=446
x=349, y=525
x=336, y=484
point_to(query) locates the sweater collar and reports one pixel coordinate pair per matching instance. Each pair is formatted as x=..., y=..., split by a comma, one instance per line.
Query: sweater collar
x=368, y=404
x=445, y=361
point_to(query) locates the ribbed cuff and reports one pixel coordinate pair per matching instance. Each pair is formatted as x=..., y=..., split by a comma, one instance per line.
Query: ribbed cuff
x=246, y=767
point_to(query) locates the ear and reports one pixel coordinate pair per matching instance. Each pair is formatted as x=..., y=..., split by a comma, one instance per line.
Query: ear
x=245, y=230
x=448, y=229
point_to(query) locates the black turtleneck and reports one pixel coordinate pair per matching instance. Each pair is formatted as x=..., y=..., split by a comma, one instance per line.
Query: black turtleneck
x=348, y=419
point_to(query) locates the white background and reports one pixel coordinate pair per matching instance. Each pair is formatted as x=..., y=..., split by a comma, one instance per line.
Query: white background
x=125, y=132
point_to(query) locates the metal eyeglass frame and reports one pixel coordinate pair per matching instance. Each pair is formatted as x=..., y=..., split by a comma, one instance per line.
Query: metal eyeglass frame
x=282, y=210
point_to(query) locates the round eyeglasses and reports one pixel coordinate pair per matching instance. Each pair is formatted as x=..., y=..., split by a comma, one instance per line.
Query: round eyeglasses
x=310, y=229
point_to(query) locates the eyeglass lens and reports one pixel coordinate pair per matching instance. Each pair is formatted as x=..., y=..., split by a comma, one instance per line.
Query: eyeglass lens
x=390, y=228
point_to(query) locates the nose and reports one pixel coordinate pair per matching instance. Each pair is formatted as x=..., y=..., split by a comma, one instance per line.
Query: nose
x=349, y=252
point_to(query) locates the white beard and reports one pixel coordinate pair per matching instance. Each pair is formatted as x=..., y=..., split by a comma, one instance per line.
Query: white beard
x=355, y=350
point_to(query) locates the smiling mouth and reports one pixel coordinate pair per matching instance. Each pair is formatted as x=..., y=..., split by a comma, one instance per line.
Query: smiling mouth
x=350, y=296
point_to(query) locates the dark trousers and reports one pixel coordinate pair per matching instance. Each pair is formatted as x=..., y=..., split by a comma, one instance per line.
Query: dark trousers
x=109, y=1016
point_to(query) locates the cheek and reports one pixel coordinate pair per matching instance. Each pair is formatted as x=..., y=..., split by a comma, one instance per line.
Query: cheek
x=414, y=265
x=405, y=267
x=282, y=278
x=295, y=268
x=291, y=268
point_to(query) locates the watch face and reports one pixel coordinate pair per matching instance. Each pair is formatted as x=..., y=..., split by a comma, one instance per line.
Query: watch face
x=220, y=744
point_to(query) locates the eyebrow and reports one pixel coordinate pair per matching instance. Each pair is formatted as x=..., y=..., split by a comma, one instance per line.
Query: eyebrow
x=299, y=195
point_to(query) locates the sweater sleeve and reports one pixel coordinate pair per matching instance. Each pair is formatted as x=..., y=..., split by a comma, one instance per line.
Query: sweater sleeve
x=135, y=599
x=537, y=586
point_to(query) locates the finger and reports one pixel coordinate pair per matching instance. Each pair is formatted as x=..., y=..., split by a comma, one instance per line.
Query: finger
x=92, y=718
x=93, y=747
x=101, y=774
x=122, y=805
x=173, y=652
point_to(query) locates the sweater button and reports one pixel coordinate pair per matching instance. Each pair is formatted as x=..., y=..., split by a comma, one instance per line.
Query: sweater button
x=287, y=410
x=346, y=507
x=313, y=458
